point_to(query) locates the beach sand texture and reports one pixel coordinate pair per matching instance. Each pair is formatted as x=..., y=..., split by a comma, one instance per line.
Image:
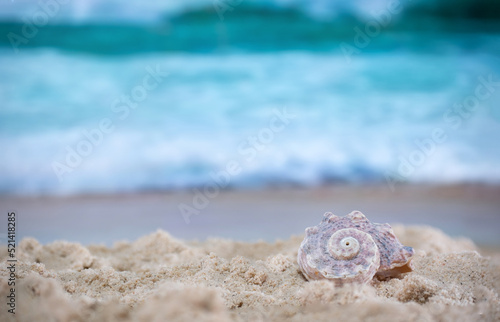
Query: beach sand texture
x=160, y=278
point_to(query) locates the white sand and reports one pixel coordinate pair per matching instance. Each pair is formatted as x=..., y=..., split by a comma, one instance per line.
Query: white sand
x=158, y=278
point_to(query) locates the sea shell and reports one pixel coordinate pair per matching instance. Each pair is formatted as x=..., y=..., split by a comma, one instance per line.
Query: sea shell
x=351, y=249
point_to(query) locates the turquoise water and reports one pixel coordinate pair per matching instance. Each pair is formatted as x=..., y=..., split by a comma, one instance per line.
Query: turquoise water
x=145, y=101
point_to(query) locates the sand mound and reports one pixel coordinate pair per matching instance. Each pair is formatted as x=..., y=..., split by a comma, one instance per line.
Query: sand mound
x=158, y=278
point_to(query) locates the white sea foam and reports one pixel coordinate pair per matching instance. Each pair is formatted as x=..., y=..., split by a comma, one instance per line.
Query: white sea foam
x=353, y=123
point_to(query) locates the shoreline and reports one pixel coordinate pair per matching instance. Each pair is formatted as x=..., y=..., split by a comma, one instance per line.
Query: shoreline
x=467, y=210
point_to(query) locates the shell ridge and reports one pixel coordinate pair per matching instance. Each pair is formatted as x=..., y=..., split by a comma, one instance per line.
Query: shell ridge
x=351, y=249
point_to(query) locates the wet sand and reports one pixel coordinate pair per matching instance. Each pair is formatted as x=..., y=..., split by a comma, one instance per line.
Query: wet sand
x=471, y=211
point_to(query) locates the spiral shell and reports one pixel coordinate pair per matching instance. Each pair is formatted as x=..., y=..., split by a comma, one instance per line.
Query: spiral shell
x=351, y=249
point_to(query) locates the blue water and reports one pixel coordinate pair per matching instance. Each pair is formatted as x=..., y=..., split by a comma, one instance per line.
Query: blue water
x=384, y=114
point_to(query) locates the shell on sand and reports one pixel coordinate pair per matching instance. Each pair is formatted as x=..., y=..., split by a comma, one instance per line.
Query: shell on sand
x=351, y=249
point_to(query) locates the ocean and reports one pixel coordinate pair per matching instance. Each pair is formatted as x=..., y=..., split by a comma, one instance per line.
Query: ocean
x=106, y=98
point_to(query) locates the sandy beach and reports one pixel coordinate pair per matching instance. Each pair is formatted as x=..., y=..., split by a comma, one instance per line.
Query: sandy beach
x=166, y=160
x=92, y=258
x=159, y=278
